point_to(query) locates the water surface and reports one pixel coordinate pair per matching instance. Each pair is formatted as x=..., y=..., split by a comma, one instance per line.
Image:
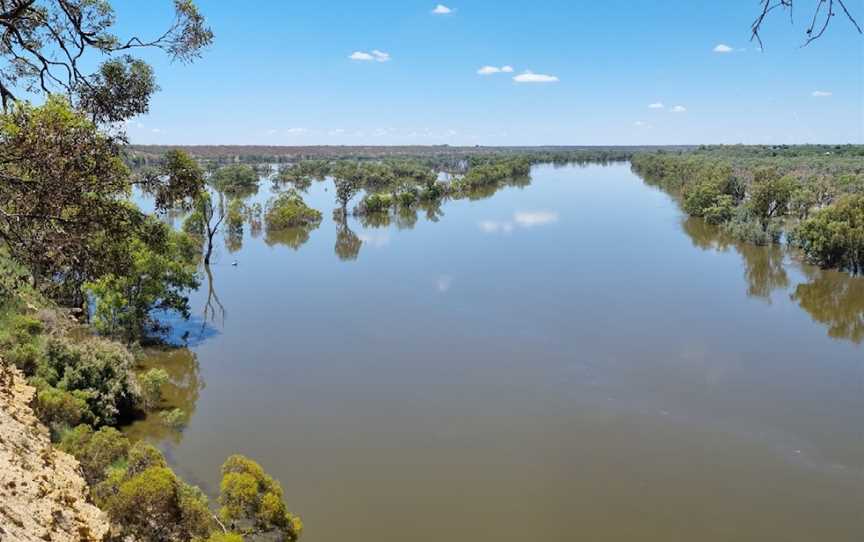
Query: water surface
x=569, y=359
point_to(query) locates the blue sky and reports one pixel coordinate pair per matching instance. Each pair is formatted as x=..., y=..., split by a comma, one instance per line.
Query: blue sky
x=281, y=73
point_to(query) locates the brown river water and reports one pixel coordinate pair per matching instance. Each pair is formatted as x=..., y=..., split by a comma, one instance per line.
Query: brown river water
x=567, y=359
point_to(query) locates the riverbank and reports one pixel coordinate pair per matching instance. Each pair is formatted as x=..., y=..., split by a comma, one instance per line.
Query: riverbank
x=42, y=493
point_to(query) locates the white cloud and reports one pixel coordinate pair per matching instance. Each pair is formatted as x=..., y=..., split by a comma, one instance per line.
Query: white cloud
x=522, y=219
x=507, y=69
x=375, y=239
x=656, y=105
x=822, y=93
x=488, y=70
x=722, y=48
x=272, y=131
x=374, y=55
x=530, y=77
x=641, y=124
x=535, y=218
x=493, y=226
x=441, y=9
x=443, y=283
x=156, y=131
x=294, y=131
x=679, y=109
x=336, y=131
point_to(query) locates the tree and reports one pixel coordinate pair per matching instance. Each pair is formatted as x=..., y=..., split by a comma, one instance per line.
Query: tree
x=159, y=273
x=204, y=222
x=47, y=43
x=823, y=13
x=348, y=181
x=63, y=188
x=834, y=236
x=236, y=180
x=770, y=195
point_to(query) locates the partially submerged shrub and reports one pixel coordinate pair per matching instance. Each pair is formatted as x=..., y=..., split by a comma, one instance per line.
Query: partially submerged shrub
x=834, y=236
x=289, y=210
x=151, y=383
x=745, y=227
x=376, y=203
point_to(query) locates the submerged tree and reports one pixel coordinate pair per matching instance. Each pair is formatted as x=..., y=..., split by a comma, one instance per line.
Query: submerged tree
x=204, y=222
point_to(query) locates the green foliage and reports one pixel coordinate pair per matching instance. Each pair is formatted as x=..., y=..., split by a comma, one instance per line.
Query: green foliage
x=235, y=216
x=250, y=497
x=235, y=180
x=100, y=370
x=721, y=210
x=744, y=226
x=376, y=203
x=700, y=196
x=159, y=274
x=224, y=537
x=154, y=505
x=289, y=210
x=834, y=236
x=176, y=418
x=151, y=383
x=491, y=172
x=770, y=194
x=96, y=451
x=58, y=408
x=407, y=198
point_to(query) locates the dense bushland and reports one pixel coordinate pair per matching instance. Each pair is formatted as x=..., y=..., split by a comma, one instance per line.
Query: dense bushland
x=810, y=193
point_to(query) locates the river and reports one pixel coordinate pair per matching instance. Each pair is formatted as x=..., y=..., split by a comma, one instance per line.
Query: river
x=570, y=359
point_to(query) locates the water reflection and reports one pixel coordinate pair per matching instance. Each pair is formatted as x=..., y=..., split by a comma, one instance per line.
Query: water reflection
x=835, y=300
x=764, y=267
x=289, y=237
x=181, y=392
x=348, y=244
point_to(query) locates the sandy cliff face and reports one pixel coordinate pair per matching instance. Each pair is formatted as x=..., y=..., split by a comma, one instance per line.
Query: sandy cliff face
x=42, y=494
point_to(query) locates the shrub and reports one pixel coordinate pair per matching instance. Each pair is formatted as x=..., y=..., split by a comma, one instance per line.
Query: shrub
x=176, y=418
x=745, y=227
x=235, y=216
x=834, y=236
x=154, y=505
x=407, y=198
x=249, y=496
x=770, y=195
x=151, y=384
x=95, y=451
x=700, y=196
x=60, y=408
x=289, y=210
x=101, y=368
x=721, y=210
x=376, y=203
x=235, y=179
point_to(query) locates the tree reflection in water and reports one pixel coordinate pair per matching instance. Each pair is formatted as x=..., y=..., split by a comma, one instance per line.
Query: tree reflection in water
x=764, y=268
x=347, y=245
x=180, y=392
x=836, y=300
